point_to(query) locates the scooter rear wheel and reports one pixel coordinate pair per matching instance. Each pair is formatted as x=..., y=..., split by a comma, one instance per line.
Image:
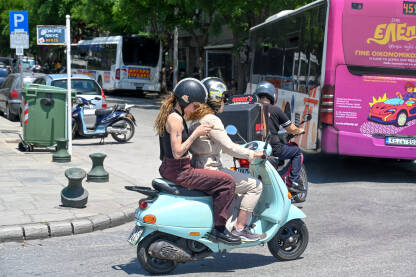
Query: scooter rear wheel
x=151, y=264
x=125, y=137
x=290, y=242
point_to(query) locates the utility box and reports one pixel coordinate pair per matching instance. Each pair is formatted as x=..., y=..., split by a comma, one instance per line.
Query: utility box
x=44, y=114
x=247, y=118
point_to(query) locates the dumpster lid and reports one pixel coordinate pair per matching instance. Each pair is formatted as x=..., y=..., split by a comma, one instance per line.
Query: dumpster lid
x=34, y=88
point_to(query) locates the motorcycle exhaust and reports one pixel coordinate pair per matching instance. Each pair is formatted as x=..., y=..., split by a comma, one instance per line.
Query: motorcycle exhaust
x=166, y=250
x=112, y=130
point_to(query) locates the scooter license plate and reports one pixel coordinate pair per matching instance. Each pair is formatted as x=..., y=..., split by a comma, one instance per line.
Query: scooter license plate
x=135, y=235
x=243, y=170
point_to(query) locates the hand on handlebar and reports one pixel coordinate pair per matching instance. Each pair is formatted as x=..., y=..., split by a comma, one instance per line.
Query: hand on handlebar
x=300, y=131
x=260, y=155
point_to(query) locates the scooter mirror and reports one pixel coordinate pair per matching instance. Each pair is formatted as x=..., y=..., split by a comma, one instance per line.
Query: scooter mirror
x=308, y=117
x=231, y=130
x=78, y=101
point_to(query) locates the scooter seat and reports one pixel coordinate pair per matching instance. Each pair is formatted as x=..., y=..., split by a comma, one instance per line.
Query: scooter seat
x=166, y=186
x=101, y=112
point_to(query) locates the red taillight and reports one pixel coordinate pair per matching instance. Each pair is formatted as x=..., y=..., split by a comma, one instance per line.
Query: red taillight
x=14, y=94
x=118, y=74
x=244, y=163
x=103, y=100
x=143, y=204
x=326, y=112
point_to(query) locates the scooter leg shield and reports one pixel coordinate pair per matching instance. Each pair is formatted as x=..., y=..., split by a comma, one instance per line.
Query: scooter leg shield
x=294, y=213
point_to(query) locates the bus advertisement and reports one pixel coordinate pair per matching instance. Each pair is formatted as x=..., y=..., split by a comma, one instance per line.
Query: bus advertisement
x=120, y=62
x=352, y=66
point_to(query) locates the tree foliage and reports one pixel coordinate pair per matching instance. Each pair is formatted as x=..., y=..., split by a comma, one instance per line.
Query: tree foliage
x=199, y=18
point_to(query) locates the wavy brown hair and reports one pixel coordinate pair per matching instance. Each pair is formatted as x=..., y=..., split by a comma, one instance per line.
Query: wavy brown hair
x=168, y=105
x=202, y=111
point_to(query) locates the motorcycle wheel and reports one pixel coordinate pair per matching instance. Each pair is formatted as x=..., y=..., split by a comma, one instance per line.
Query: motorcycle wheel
x=125, y=137
x=290, y=242
x=149, y=263
x=303, y=181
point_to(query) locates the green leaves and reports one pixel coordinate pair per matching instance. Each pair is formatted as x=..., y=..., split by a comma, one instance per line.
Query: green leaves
x=200, y=18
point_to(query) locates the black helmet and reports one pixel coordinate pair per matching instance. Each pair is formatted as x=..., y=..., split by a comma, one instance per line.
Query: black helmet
x=190, y=90
x=217, y=90
x=267, y=89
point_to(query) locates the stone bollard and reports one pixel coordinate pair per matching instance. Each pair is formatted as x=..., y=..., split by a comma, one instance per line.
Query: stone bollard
x=97, y=173
x=61, y=155
x=74, y=195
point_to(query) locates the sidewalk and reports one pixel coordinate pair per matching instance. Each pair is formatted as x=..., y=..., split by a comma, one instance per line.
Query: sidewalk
x=30, y=193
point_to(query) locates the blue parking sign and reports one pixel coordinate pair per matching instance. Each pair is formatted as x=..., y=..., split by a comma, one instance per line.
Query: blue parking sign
x=19, y=21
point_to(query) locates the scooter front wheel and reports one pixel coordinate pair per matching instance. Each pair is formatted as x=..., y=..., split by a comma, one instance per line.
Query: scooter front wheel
x=290, y=242
x=151, y=264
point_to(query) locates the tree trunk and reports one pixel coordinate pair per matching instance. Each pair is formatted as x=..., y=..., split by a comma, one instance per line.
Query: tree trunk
x=242, y=67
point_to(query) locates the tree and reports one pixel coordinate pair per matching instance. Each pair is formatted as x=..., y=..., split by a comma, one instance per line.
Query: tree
x=241, y=15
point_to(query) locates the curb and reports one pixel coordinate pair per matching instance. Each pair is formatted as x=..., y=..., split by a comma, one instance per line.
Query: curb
x=43, y=230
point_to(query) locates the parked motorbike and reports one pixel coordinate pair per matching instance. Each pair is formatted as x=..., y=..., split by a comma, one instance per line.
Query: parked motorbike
x=284, y=167
x=173, y=223
x=116, y=121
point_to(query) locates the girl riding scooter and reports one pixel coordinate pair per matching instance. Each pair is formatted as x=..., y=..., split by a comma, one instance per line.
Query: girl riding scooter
x=206, y=153
x=175, y=141
x=173, y=224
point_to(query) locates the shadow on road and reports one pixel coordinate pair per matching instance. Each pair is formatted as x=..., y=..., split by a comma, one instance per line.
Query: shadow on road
x=324, y=168
x=147, y=101
x=231, y=263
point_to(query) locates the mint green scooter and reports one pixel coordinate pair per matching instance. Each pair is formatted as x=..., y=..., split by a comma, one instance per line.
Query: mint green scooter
x=173, y=223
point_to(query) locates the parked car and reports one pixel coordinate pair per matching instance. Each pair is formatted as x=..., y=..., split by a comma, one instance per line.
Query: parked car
x=11, y=94
x=4, y=72
x=85, y=86
x=7, y=63
x=27, y=64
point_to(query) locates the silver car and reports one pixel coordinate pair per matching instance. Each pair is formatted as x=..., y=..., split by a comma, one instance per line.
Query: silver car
x=11, y=94
x=85, y=86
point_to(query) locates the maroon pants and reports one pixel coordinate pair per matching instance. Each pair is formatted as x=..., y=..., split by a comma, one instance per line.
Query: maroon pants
x=219, y=185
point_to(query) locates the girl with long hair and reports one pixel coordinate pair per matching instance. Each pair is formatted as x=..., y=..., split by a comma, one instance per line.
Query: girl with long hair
x=175, y=141
x=206, y=153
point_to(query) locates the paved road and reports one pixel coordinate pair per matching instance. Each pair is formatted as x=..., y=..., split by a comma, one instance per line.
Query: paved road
x=361, y=218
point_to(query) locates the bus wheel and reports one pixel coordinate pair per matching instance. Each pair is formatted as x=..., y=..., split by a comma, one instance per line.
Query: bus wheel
x=401, y=119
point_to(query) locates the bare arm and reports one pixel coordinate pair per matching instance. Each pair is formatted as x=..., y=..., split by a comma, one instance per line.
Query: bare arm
x=294, y=130
x=174, y=127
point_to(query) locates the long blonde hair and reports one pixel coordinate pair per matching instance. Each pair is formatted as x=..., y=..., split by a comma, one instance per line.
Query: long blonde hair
x=168, y=104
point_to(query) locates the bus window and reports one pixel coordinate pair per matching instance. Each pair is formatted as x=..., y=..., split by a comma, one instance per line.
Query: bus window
x=140, y=50
x=303, y=72
x=314, y=72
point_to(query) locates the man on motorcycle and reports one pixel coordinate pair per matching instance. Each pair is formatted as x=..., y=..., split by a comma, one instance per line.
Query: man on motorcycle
x=275, y=118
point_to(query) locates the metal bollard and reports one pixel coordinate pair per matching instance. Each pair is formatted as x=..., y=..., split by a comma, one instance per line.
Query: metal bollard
x=61, y=155
x=97, y=173
x=74, y=195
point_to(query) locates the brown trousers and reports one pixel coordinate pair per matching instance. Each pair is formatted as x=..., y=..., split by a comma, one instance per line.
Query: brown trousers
x=219, y=185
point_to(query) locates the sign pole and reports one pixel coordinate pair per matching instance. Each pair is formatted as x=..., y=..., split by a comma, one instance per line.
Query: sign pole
x=68, y=72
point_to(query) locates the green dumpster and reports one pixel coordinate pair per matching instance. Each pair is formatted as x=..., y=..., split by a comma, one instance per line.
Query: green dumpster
x=43, y=116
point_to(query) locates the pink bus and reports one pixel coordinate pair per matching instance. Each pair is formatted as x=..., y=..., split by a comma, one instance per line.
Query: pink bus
x=349, y=63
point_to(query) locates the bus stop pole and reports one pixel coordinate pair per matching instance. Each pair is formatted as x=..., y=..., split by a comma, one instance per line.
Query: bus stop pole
x=175, y=56
x=68, y=72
